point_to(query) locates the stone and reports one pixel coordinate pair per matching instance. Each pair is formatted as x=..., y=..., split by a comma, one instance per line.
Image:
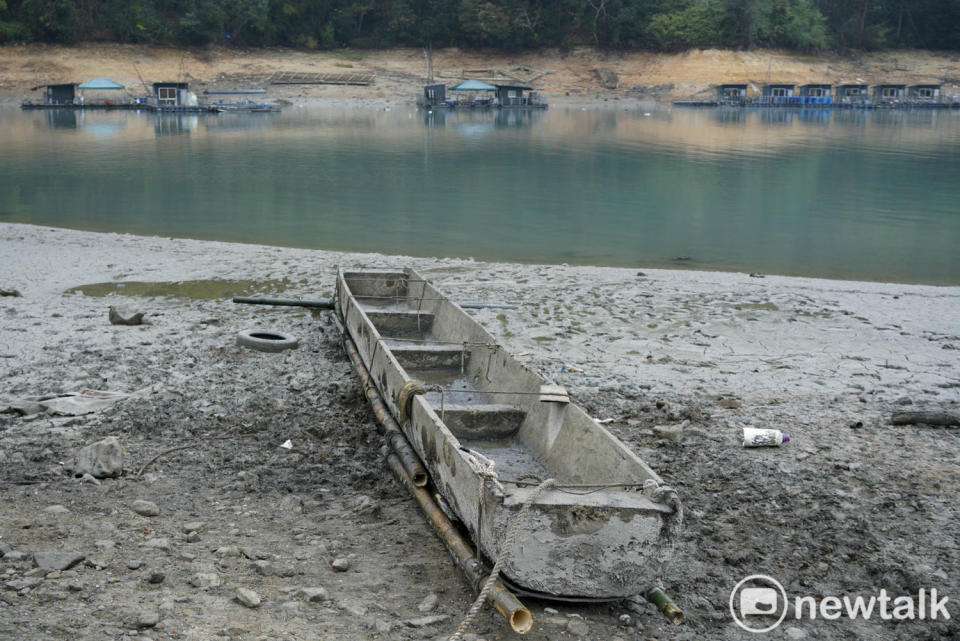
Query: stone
x=4, y=549
x=254, y=555
x=134, y=564
x=314, y=595
x=49, y=561
x=248, y=597
x=626, y=620
x=145, y=508
x=429, y=603
x=353, y=608
x=577, y=627
x=148, y=619
x=23, y=584
x=340, y=564
x=103, y=459
x=669, y=432
x=422, y=622
x=160, y=543
x=382, y=627
x=264, y=568
x=795, y=633
x=156, y=577
x=227, y=551
x=192, y=526
x=550, y=611
x=15, y=555
x=205, y=580
x=90, y=478
x=104, y=544
x=56, y=509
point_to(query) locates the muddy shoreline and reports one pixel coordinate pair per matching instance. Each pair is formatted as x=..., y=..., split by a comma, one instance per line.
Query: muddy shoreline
x=680, y=360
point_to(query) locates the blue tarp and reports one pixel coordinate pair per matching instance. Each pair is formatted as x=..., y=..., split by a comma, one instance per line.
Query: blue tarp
x=100, y=84
x=473, y=85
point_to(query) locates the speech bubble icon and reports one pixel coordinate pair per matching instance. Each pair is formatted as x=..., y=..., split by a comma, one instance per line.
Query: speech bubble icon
x=762, y=601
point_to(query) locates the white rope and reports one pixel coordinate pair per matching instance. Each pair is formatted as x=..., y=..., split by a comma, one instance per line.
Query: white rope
x=501, y=557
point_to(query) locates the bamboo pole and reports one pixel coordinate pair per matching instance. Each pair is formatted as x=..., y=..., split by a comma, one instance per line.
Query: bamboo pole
x=508, y=605
x=398, y=442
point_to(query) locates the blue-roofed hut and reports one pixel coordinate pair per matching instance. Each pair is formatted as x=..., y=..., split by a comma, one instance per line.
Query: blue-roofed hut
x=479, y=93
x=925, y=93
x=512, y=95
x=59, y=93
x=95, y=87
x=889, y=93
x=171, y=94
x=779, y=90
x=433, y=95
x=851, y=93
x=731, y=94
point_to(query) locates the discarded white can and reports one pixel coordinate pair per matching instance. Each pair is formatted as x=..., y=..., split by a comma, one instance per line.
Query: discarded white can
x=756, y=437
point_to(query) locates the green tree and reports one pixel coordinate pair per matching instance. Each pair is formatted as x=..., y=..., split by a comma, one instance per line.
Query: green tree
x=697, y=25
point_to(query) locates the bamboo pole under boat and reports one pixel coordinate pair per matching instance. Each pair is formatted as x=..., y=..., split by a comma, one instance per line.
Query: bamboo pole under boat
x=519, y=617
x=398, y=442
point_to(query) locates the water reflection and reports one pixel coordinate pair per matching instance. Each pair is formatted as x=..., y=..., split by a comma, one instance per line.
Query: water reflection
x=61, y=118
x=479, y=120
x=839, y=193
x=170, y=124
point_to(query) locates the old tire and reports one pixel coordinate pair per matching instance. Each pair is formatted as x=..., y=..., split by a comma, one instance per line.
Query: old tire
x=266, y=340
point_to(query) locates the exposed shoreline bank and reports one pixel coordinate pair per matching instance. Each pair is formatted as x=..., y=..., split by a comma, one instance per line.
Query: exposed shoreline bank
x=580, y=77
x=674, y=362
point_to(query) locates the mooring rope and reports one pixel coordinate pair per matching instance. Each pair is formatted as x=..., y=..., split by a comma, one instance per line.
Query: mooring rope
x=410, y=389
x=501, y=557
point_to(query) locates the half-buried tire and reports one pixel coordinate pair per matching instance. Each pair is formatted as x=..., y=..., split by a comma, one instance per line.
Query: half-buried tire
x=266, y=340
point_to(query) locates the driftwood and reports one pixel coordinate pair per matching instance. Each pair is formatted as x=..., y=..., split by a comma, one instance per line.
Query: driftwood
x=9, y=292
x=925, y=418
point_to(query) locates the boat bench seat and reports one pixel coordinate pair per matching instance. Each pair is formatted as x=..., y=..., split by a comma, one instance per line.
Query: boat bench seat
x=481, y=421
x=396, y=324
x=426, y=356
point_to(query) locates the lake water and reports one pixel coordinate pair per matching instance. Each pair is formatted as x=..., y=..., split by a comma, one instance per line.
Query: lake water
x=839, y=194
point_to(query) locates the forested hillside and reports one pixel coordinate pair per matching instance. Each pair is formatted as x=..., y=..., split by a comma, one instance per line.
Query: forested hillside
x=511, y=25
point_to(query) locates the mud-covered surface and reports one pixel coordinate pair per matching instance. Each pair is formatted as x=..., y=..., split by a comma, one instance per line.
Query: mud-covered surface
x=680, y=361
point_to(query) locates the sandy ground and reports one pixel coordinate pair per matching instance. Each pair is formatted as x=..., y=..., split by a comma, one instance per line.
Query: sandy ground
x=572, y=77
x=680, y=360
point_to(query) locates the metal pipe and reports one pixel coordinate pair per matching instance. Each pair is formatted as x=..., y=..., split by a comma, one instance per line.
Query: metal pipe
x=320, y=303
x=508, y=605
x=398, y=442
x=326, y=303
x=666, y=606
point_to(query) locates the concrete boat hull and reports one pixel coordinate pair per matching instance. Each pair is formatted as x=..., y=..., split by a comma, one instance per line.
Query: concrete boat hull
x=488, y=430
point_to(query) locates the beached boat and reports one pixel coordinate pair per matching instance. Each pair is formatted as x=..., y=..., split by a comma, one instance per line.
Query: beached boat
x=489, y=431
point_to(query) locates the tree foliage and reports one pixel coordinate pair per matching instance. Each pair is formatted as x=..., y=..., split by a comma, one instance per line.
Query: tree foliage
x=660, y=25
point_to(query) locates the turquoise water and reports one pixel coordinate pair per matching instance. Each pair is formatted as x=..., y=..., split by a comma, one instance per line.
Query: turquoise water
x=871, y=196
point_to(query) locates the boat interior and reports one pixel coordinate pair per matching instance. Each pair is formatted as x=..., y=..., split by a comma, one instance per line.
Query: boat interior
x=488, y=400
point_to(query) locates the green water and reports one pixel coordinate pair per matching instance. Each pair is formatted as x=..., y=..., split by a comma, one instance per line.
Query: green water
x=871, y=196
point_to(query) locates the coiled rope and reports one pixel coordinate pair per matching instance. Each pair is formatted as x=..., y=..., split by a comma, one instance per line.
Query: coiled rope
x=410, y=389
x=501, y=556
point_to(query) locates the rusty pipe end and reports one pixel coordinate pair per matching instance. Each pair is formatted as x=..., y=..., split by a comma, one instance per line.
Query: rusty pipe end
x=420, y=479
x=521, y=620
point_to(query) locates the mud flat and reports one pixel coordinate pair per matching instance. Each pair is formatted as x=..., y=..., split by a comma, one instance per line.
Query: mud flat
x=680, y=360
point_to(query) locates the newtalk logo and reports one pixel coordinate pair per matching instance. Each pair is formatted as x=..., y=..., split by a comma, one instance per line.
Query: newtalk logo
x=759, y=599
